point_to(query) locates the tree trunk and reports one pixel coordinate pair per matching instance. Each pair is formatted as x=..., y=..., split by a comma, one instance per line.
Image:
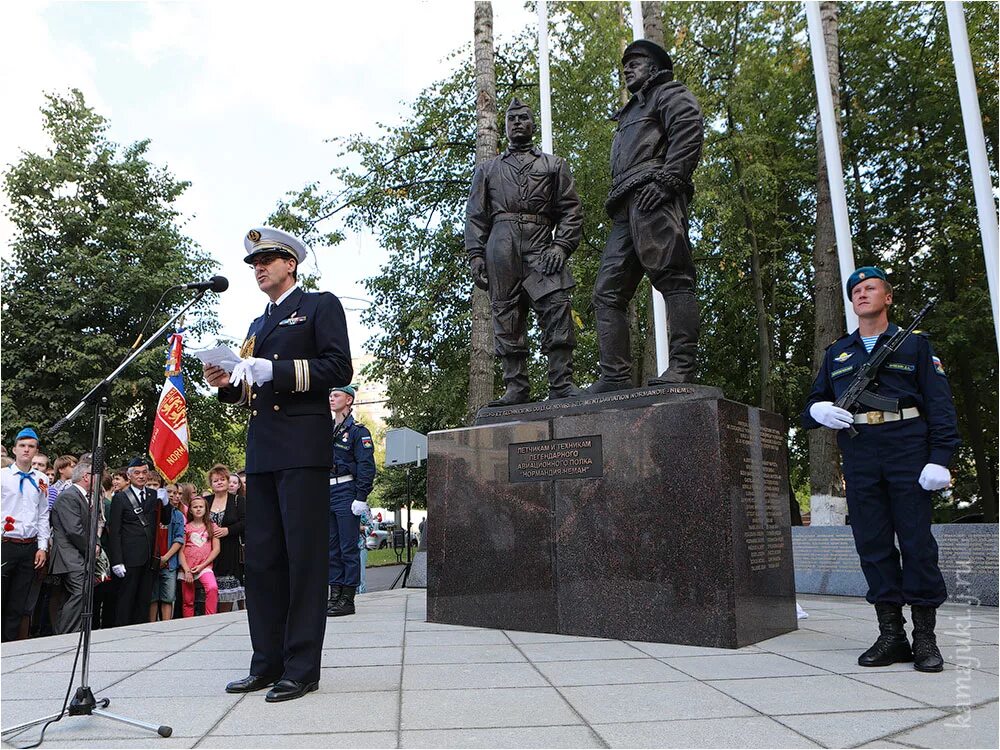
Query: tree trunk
x=828, y=505
x=652, y=29
x=487, y=139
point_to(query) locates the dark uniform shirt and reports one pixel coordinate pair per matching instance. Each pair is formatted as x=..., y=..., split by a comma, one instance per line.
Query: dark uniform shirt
x=354, y=454
x=305, y=338
x=914, y=375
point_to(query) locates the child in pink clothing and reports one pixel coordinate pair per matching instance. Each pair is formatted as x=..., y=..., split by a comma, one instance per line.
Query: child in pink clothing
x=200, y=548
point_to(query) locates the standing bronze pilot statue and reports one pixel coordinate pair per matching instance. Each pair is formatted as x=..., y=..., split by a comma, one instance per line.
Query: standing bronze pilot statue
x=656, y=147
x=523, y=220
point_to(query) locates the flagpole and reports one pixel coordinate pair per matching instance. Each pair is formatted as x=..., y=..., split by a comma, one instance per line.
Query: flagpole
x=544, y=86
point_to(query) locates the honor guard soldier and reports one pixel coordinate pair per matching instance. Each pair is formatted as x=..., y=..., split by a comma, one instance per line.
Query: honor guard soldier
x=25, y=530
x=350, y=484
x=890, y=468
x=293, y=354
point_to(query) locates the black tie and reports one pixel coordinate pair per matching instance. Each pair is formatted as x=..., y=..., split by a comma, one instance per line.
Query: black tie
x=270, y=307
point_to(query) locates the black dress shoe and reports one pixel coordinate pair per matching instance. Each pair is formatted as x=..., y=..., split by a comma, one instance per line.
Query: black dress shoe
x=249, y=684
x=289, y=690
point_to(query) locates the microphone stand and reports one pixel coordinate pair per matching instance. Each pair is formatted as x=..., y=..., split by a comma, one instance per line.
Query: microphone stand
x=83, y=702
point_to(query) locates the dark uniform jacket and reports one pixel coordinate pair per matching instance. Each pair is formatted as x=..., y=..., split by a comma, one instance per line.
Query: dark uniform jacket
x=354, y=454
x=130, y=542
x=70, y=519
x=658, y=138
x=305, y=337
x=914, y=375
x=522, y=210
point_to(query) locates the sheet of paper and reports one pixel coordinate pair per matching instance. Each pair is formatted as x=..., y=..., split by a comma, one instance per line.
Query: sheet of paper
x=220, y=356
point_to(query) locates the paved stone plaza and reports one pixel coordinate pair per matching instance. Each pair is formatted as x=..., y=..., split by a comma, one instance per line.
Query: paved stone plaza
x=392, y=680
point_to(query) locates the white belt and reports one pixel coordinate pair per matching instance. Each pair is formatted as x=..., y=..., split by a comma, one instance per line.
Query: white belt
x=880, y=417
x=342, y=480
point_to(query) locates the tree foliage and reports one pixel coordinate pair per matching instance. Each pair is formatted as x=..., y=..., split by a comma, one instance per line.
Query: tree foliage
x=753, y=215
x=97, y=239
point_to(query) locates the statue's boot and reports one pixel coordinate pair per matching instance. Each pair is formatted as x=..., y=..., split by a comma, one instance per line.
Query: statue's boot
x=561, y=375
x=682, y=314
x=616, y=359
x=515, y=376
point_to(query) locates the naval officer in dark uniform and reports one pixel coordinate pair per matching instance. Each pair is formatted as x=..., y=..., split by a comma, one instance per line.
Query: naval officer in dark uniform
x=293, y=354
x=351, y=481
x=890, y=468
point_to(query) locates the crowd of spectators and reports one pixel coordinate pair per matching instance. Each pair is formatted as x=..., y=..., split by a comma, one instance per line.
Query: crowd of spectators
x=164, y=550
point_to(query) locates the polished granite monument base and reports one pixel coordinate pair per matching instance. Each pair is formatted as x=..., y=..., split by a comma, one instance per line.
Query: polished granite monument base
x=647, y=515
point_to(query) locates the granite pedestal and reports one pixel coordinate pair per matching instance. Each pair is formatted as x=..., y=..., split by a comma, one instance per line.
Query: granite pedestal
x=659, y=514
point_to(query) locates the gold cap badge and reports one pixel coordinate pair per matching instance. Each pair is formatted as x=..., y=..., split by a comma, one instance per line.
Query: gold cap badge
x=253, y=235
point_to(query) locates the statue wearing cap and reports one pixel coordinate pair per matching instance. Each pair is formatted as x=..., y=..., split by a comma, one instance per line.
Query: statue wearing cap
x=523, y=220
x=656, y=147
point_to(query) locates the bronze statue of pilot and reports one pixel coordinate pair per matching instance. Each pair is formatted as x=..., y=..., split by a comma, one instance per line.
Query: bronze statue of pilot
x=523, y=220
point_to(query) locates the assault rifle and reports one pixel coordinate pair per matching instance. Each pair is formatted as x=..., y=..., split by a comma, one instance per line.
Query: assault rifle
x=857, y=393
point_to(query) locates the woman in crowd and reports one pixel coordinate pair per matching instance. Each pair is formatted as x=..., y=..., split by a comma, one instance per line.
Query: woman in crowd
x=228, y=515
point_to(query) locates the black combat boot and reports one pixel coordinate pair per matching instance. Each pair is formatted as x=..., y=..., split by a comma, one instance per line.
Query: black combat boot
x=331, y=603
x=561, y=375
x=926, y=656
x=682, y=315
x=345, y=604
x=891, y=645
x=515, y=376
x=616, y=358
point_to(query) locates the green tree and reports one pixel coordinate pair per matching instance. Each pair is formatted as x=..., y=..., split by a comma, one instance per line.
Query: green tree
x=96, y=241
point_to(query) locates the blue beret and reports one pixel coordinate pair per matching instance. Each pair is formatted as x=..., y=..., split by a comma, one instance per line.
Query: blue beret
x=27, y=432
x=350, y=390
x=865, y=272
x=137, y=461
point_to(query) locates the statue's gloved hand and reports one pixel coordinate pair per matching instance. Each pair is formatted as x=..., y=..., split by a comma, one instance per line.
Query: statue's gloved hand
x=478, y=268
x=650, y=196
x=553, y=259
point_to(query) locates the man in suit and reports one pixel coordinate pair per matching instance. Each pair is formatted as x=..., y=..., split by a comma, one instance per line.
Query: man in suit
x=293, y=355
x=70, y=538
x=130, y=544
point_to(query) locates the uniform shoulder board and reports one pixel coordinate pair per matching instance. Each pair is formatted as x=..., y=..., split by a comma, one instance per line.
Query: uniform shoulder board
x=836, y=340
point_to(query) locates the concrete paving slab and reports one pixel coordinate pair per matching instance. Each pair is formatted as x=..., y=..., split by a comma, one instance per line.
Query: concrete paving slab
x=666, y=650
x=811, y=640
x=975, y=656
x=844, y=661
x=518, y=636
x=953, y=688
x=847, y=729
x=157, y=642
x=481, y=708
x=661, y=701
x=14, y=663
x=609, y=672
x=336, y=740
x=102, y=662
x=200, y=660
x=973, y=729
x=322, y=712
x=737, y=666
x=461, y=654
x=886, y=745
x=50, y=685
x=579, y=651
x=792, y=695
x=362, y=657
x=505, y=737
x=754, y=731
x=456, y=638
x=161, y=742
x=373, y=639
x=156, y=683
x=454, y=676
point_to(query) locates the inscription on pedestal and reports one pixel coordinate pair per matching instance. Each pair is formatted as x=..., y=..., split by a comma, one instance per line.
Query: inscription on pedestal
x=760, y=484
x=545, y=460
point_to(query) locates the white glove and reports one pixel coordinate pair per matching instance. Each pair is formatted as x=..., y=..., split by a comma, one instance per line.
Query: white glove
x=253, y=370
x=358, y=507
x=831, y=416
x=118, y=570
x=934, y=477
x=162, y=496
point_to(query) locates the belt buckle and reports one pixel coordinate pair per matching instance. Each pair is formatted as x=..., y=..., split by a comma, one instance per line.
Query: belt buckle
x=875, y=417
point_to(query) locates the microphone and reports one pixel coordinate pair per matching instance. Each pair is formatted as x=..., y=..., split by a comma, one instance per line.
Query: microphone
x=215, y=284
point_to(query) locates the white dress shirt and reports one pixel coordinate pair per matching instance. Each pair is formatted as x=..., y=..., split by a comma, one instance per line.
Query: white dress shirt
x=29, y=507
x=282, y=298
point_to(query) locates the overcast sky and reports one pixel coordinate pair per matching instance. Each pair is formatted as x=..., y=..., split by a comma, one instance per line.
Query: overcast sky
x=238, y=98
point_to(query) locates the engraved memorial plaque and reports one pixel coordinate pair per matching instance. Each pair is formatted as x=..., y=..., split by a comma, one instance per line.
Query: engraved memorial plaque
x=566, y=458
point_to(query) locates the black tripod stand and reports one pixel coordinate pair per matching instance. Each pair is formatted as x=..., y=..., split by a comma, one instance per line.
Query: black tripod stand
x=84, y=703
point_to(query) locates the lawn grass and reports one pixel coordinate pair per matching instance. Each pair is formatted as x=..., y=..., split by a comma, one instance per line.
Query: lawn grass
x=387, y=556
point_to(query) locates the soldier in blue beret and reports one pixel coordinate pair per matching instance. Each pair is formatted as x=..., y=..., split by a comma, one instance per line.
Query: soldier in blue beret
x=351, y=481
x=890, y=469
